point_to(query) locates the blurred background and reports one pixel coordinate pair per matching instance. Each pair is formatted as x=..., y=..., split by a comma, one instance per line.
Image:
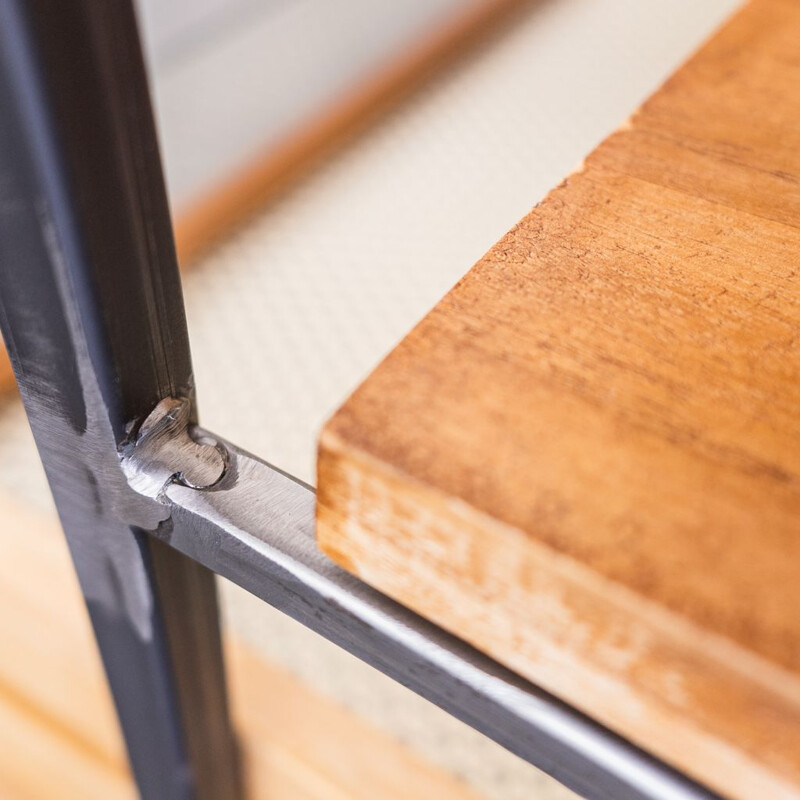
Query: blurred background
x=333, y=166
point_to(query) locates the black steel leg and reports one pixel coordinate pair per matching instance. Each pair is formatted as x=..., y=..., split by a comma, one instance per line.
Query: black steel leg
x=92, y=314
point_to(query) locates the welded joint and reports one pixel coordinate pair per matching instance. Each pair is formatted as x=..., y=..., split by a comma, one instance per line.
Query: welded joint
x=167, y=450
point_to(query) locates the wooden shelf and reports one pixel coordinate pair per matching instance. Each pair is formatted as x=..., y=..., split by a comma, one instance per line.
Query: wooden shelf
x=586, y=459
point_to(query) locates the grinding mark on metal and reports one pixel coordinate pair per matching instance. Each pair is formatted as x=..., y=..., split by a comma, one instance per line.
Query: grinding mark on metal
x=165, y=452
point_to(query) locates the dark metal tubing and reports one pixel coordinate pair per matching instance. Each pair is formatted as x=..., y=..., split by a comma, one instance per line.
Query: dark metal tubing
x=91, y=309
x=92, y=313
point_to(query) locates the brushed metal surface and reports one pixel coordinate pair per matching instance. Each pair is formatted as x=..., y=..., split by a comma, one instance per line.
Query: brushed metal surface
x=255, y=526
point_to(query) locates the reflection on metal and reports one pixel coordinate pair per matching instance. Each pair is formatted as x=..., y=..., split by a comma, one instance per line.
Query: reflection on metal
x=163, y=443
x=92, y=314
x=255, y=526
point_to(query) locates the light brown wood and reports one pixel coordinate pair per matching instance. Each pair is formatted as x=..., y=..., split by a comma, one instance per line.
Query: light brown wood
x=58, y=729
x=6, y=373
x=282, y=719
x=37, y=762
x=586, y=459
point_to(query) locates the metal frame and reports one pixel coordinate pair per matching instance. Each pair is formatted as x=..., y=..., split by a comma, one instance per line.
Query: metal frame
x=92, y=314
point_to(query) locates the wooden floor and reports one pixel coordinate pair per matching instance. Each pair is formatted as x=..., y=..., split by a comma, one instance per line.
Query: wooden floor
x=586, y=459
x=58, y=730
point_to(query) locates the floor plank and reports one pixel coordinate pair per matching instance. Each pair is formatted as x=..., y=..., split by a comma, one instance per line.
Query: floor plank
x=58, y=728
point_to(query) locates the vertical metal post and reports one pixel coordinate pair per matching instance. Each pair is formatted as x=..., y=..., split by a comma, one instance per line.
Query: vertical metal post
x=92, y=314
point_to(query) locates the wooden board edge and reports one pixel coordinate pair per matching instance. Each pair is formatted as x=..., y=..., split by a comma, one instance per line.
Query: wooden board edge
x=594, y=639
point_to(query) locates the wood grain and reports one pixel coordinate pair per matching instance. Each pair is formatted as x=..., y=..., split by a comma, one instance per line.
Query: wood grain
x=59, y=732
x=586, y=459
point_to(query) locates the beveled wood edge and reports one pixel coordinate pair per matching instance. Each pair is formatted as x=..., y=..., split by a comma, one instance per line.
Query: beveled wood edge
x=767, y=688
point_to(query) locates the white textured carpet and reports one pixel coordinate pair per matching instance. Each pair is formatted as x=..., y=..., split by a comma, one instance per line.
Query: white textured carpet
x=292, y=313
